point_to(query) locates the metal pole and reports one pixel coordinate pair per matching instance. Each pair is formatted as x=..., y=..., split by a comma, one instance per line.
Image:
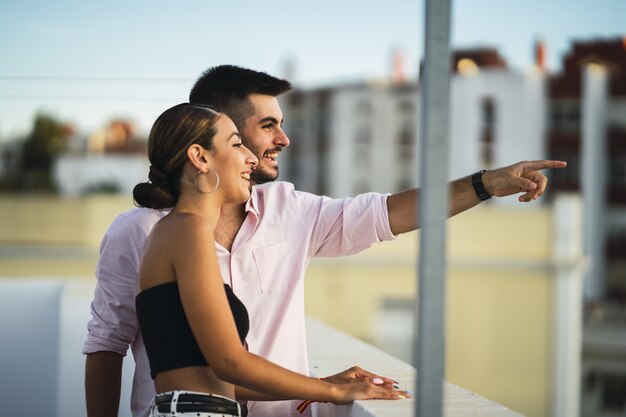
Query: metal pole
x=433, y=210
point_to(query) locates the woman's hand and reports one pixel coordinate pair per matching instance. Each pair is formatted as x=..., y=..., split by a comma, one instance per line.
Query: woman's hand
x=347, y=393
x=358, y=374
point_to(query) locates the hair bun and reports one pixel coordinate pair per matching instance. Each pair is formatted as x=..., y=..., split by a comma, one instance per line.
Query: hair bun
x=158, y=178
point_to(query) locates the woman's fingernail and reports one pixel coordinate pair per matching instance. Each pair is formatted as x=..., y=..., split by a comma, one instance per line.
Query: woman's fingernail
x=377, y=381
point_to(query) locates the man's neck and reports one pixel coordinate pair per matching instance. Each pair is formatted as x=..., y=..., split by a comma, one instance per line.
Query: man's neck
x=229, y=223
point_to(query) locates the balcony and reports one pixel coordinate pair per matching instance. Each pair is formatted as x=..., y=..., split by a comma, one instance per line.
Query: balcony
x=42, y=351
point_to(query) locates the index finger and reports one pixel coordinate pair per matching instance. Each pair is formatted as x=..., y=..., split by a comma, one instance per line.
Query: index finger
x=545, y=164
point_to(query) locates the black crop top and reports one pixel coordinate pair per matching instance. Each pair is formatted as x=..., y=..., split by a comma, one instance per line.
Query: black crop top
x=170, y=343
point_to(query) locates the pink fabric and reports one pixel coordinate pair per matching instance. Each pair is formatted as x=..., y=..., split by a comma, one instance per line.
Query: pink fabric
x=284, y=229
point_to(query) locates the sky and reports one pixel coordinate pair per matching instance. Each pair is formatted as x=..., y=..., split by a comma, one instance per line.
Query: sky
x=88, y=62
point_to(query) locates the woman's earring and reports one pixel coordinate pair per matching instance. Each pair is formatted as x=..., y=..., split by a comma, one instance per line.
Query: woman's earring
x=217, y=182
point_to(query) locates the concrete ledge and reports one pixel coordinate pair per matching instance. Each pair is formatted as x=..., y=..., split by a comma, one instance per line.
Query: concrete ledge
x=331, y=351
x=66, y=314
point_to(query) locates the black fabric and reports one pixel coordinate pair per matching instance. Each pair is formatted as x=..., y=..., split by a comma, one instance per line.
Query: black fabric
x=169, y=341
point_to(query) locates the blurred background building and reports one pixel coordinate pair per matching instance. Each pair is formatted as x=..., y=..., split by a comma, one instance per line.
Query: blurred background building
x=345, y=136
x=515, y=315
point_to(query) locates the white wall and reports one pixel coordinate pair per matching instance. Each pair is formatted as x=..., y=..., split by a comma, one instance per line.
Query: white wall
x=76, y=174
x=43, y=323
x=381, y=172
x=520, y=104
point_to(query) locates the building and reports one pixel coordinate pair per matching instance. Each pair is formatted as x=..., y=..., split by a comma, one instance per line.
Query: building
x=565, y=140
x=113, y=160
x=587, y=127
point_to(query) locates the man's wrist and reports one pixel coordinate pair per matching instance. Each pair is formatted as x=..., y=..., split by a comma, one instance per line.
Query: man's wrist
x=479, y=187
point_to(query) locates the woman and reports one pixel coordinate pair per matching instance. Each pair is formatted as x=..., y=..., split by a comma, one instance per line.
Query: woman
x=193, y=325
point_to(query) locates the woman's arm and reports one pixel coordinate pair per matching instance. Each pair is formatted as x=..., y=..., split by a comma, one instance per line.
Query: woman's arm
x=207, y=309
x=351, y=375
x=246, y=394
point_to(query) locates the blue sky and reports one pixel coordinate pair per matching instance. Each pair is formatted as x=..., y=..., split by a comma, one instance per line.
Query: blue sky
x=87, y=62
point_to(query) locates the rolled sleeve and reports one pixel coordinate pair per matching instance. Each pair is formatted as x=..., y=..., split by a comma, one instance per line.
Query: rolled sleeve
x=113, y=324
x=348, y=226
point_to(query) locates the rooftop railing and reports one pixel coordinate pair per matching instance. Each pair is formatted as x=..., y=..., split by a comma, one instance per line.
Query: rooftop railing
x=43, y=326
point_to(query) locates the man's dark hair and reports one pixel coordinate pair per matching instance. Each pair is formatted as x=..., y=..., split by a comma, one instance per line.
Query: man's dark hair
x=226, y=88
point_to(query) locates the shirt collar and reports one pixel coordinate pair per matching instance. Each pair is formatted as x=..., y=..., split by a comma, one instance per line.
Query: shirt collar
x=253, y=202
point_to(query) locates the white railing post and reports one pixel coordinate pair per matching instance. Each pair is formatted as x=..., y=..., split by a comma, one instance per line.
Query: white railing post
x=593, y=178
x=568, y=297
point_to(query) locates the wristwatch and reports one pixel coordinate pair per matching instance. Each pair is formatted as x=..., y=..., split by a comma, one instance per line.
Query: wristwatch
x=478, y=185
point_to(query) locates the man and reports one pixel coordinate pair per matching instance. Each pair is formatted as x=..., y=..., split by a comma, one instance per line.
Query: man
x=264, y=246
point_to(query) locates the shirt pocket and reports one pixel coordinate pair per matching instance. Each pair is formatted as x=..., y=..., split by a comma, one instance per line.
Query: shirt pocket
x=273, y=268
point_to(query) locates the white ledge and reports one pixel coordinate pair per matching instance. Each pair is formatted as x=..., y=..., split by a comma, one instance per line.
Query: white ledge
x=57, y=311
x=331, y=351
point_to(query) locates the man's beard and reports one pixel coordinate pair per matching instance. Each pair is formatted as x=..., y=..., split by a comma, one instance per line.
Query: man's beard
x=261, y=176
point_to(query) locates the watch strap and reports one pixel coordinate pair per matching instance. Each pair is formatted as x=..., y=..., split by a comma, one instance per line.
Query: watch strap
x=479, y=187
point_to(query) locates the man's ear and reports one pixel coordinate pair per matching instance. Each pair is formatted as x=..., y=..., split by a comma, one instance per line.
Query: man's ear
x=198, y=156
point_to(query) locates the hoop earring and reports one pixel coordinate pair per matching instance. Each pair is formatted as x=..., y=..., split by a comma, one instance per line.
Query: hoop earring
x=217, y=182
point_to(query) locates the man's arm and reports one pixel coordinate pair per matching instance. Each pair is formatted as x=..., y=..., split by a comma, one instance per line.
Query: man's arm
x=113, y=325
x=103, y=380
x=522, y=177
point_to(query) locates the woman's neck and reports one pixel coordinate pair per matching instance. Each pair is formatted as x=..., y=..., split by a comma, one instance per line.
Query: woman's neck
x=207, y=207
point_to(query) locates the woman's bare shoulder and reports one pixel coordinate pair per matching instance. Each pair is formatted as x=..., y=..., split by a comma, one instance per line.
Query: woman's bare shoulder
x=183, y=226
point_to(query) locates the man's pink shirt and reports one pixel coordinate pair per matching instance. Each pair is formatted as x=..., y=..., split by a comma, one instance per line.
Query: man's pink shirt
x=283, y=230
